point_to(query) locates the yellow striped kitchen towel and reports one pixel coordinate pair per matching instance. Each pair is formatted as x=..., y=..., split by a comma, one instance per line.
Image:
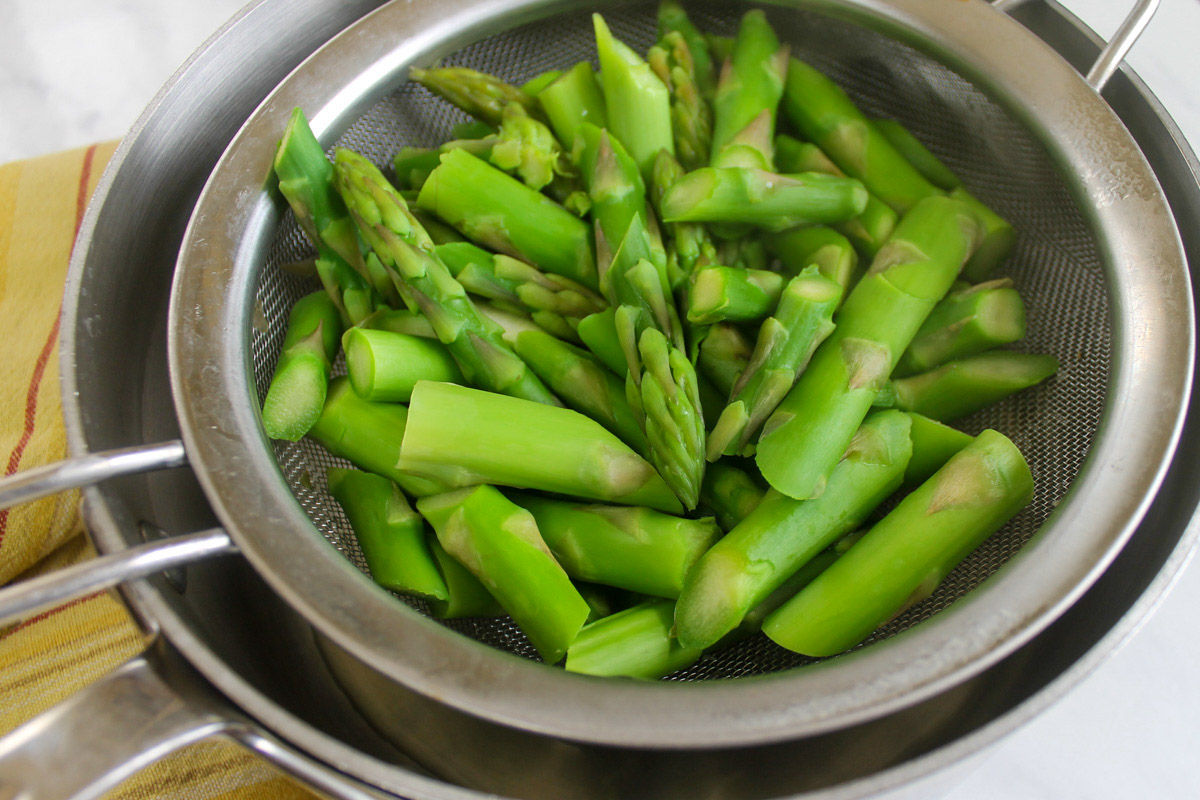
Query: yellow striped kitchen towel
x=47, y=658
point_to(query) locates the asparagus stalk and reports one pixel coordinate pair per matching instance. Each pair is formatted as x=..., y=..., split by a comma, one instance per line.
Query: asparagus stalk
x=730, y=493
x=870, y=229
x=728, y=293
x=426, y=285
x=917, y=154
x=903, y=558
x=673, y=19
x=599, y=333
x=764, y=199
x=391, y=534
x=638, y=549
x=614, y=184
x=368, y=435
x=933, y=444
x=403, y=321
x=467, y=596
x=998, y=238
x=481, y=95
x=829, y=250
x=969, y=321
x=786, y=343
x=724, y=355
x=298, y=387
x=634, y=643
x=439, y=232
x=580, y=380
x=504, y=215
x=499, y=543
x=638, y=104
x=825, y=115
x=781, y=534
x=691, y=116
x=471, y=129
x=749, y=89
x=801, y=442
x=690, y=245
x=465, y=437
x=572, y=99
x=534, y=86
x=383, y=366
x=964, y=386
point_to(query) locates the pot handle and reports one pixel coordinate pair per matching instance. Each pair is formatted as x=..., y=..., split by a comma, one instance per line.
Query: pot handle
x=127, y=720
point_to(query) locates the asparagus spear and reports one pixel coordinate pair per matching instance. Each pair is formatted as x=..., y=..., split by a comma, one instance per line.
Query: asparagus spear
x=426, y=285
x=638, y=104
x=964, y=386
x=614, y=184
x=391, y=534
x=749, y=89
x=724, y=355
x=691, y=116
x=403, y=321
x=998, y=237
x=599, y=332
x=769, y=201
x=689, y=245
x=829, y=250
x=870, y=229
x=384, y=366
x=825, y=115
x=481, y=95
x=933, y=444
x=801, y=442
x=673, y=19
x=728, y=293
x=534, y=86
x=368, y=435
x=634, y=643
x=499, y=543
x=729, y=492
x=572, y=99
x=786, y=342
x=298, y=387
x=969, y=321
x=501, y=213
x=903, y=558
x=467, y=596
x=471, y=129
x=638, y=549
x=917, y=154
x=781, y=534
x=514, y=442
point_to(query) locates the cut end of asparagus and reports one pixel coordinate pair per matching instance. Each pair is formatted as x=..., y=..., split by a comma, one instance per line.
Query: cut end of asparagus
x=296, y=396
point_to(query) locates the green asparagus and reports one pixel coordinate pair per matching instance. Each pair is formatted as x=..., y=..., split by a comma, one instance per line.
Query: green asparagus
x=829, y=250
x=673, y=19
x=933, y=444
x=749, y=91
x=962, y=387
x=301, y=380
x=764, y=199
x=728, y=293
x=968, y=322
x=730, y=493
x=384, y=366
x=481, y=95
x=637, y=102
x=573, y=99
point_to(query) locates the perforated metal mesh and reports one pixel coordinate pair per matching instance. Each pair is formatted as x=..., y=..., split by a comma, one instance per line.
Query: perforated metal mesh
x=1055, y=266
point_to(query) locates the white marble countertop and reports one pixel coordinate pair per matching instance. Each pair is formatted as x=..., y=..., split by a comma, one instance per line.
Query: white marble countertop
x=76, y=71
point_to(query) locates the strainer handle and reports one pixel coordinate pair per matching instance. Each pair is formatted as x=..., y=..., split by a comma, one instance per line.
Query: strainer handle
x=1118, y=46
x=25, y=487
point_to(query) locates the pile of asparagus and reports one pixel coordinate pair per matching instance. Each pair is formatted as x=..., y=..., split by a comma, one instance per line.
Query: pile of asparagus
x=615, y=339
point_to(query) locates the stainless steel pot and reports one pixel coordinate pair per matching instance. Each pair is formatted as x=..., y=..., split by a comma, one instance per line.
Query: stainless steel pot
x=938, y=719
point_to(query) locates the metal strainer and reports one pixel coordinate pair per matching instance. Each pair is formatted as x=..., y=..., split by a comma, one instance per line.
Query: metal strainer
x=1098, y=261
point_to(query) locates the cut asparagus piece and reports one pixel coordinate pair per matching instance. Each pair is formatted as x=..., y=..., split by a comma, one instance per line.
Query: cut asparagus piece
x=691, y=116
x=917, y=154
x=673, y=19
x=634, y=643
x=391, y=534
x=724, y=355
x=998, y=238
x=599, y=332
x=534, y=86
x=412, y=165
x=802, y=441
x=614, y=184
x=499, y=543
x=823, y=113
x=638, y=104
x=829, y=250
x=499, y=212
x=368, y=435
x=786, y=343
x=573, y=99
x=903, y=558
x=481, y=95
x=301, y=380
x=729, y=293
x=467, y=596
x=870, y=229
x=781, y=534
x=404, y=321
x=730, y=493
x=750, y=86
x=969, y=321
x=353, y=297
x=465, y=436
x=933, y=445
x=764, y=199
x=383, y=366
x=964, y=386
x=689, y=246
x=426, y=285
x=471, y=129
x=638, y=549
